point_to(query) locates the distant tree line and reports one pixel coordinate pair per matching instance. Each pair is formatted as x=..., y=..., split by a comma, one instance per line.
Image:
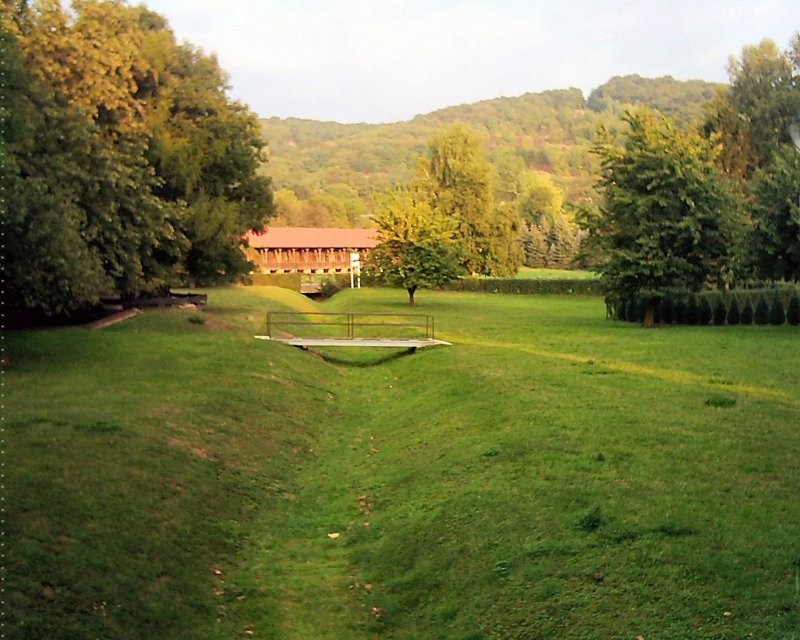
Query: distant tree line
x=126, y=166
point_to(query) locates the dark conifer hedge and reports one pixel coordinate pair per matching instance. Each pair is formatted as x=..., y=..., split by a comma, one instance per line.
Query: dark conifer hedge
x=734, y=314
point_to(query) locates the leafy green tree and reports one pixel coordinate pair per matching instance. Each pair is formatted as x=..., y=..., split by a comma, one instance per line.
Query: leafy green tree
x=417, y=244
x=207, y=151
x=667, y=216
x=774, y=239
x=124, y=223
x=50, y=264
x=751, y=117
x=456, y=179
x=540, y=199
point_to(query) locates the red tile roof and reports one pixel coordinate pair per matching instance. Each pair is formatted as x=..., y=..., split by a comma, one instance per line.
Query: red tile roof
x=312, y=238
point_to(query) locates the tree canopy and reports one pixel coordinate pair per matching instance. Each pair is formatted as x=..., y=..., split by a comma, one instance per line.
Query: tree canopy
x=418, y=245
x=127, y=168
x=667, y=217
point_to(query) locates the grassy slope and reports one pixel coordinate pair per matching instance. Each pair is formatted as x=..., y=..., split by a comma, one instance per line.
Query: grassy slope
x=553, y=475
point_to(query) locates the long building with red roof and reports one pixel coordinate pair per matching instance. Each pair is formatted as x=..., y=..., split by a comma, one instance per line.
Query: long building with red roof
x=307, y=249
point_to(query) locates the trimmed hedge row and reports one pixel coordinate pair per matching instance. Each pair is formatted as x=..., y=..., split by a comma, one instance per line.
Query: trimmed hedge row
x=774, y=306
x=532, y=286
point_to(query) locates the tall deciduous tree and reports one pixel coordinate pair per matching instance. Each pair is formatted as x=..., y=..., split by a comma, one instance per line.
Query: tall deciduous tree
x=456, y=179
x=49, y=262
x=129, y=167
x=751, y=117
x=207, y=151
x=667, y=217
x=540, y=199
x=417, y=244
x=774, y=241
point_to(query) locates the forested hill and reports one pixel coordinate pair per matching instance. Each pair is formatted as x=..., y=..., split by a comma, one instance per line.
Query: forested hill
x=325, y=172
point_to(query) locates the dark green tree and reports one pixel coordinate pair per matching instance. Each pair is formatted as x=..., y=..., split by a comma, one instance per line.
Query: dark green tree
x=704, y=313
x=534, y=242
x=679, y=310
x=793, y=310
x=747, y=311
x=774, y=239
x=777, y=314
x=667, y=216
x=720, y=312
x=691, y=311
x=50, y=262
x=761, y=312
x=666, y=310
x=207, y=150
x=734, y=313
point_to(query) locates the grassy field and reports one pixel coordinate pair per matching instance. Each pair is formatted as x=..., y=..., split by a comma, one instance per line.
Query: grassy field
x=551, y=475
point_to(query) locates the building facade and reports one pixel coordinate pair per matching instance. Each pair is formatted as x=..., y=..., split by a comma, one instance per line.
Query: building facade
x=307, y=249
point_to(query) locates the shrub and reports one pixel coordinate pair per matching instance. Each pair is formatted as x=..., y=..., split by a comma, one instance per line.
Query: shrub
x=761, y=313
x=734, y=315
x=719, y=312
x=196, y=318
x=704, y=311
x=747, y=312
x=691, y=310
x=793, y=310
x=777, y=315
x=328, y=288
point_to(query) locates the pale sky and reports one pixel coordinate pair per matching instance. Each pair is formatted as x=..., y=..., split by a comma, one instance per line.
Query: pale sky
x=388, y=60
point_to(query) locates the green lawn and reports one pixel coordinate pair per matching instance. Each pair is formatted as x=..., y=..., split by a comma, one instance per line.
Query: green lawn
x=551, y=475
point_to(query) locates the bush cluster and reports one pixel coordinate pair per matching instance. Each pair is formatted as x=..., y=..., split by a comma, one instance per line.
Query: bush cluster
x=774, y=306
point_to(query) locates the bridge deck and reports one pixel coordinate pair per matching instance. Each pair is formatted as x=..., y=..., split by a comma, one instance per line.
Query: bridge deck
x=408, y=343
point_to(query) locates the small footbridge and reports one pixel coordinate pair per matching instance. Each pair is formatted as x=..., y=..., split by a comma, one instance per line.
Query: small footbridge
x=318, y=329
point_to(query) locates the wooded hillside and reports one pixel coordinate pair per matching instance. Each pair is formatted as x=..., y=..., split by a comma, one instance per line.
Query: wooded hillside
x=326, y=172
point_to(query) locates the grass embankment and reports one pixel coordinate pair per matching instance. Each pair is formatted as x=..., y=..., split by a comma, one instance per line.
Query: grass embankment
x=553, y=475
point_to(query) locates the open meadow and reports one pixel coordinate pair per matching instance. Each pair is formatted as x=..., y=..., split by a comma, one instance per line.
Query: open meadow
x=552, y=475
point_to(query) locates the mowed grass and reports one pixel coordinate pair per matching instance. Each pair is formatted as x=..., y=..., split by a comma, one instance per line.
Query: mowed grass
x=551, y=475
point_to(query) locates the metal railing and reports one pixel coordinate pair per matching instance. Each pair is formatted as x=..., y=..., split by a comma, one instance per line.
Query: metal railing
x=418, y=323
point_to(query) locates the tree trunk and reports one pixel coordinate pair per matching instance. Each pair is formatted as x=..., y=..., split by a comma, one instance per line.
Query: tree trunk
x=649, y=316
x=411, y=292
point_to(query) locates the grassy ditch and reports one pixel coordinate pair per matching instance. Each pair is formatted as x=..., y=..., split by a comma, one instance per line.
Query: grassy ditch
x=552, y=475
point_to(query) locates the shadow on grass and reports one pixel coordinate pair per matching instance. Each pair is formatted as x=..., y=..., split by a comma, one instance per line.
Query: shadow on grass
x=359, y=360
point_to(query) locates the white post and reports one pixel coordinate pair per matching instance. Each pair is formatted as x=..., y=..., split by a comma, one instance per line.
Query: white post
x=355, y=270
